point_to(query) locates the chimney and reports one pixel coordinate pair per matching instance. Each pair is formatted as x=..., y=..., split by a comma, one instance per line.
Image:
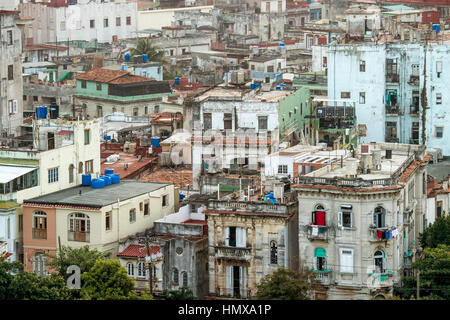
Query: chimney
x=98, y=62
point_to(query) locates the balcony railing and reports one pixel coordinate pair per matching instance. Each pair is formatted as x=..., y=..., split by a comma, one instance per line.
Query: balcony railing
x=393, y=110
x=235, y=253
x=79, y=236
x=381, y=234
x=392, y=139
x=383, y=279
x=39, y=233
x=324, y=276
x=346, y=182
x=414, y=109
x=413, y=141
x=315, y=232
x=392, y=78
x=414, y=81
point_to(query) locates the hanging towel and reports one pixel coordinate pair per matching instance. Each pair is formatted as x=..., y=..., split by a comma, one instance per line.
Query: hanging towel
x=315, y=231
x=388, y=235
x=380, y=234
x=394, y=233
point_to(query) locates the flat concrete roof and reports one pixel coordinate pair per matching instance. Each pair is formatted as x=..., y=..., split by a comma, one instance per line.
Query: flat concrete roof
x=97, y=198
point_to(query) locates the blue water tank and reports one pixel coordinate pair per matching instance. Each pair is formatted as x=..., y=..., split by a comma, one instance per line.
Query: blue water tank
x=127, y=57
x=123, y=67
x=272, y=200
x=86, y=180
x=281, y=44
x=181, y=197
x=115, y=178
x=98, y=183
x=278, y=88
x=41, y=112
x=436, y=27
x=145, y=57
x=177, y=80
x=107, y=180
x=109, y=171
x=155, y=141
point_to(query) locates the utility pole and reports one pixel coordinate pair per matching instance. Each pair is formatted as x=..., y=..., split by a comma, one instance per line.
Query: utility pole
x=150, y=259
x=418, y=285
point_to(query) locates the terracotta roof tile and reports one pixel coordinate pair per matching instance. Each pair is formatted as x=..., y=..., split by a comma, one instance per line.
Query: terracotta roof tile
x=179, y=177
x=138, y=251
x=111, y=76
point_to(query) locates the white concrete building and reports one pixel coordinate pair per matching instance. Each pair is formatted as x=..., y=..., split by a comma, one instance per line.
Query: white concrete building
x=387, y=82
x=359, y=220
x=319, y=58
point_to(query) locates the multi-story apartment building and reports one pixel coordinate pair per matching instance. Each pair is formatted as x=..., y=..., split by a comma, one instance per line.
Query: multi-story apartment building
x=61, y=21
x=100, y=92
x=248, y=240
x=401, y=86
x=97, y=217
x=11, y=105
x=360, y=218
x=60, y=152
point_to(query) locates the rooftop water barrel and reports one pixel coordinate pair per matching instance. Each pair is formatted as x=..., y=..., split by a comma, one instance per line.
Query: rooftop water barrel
x=98, y=183
x=41, y=112
x=281, y=44
x=273, y=200
x=155, y=142
x=107, y=180
x=127, y=57
x=145, y=57
x=278, y=88
x=177, y=80
x=115, y=178
x=86, y=180
x=181, y=197
x=109, y=171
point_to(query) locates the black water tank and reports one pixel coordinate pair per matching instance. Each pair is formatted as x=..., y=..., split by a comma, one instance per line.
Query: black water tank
x=388, y=154
x=54, y=111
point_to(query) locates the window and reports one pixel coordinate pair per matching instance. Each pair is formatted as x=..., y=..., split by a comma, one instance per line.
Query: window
x=282, y=169
x=99, y=86
x=83, y=84
x=235, y=237
x=415, y=70
x=130, y=269
x=63, y=26
x=146, y=209
x=35, y=98
x=132, y=215
x=267, y=6
x=141, y=206
x=80, y=166
x=128, y=21
x=438, y=98
x=273, y=252
x=270, y=69
x=87, y=140
x=52, y=175
x=108, y=221
x=99, y=111
x=378, y=261
x=438, y=68
x=71, y=168
x=345, y=95
x=12, y=106
x=362, y=66
x=165, y=203
x=262, y=123
x=9, y=36
x=92, y=24
x=39, y=225
x=89, y=166
x=346, y=261
x=105, y=23
x=117, y=21
x=439, y=132
x=21, y=223
x=320, y=259
x=345, y=216
x=438, y=209
x=135, y=112
x=141, y=269
x=379, y=217
x=207, y=121
x=11, y=72
x=39, y=264
x=280, y=6
x=184, y=278
x=79, y=227
x=362, y=97
x=175, y=275
x=318, y=216
x=227, y=121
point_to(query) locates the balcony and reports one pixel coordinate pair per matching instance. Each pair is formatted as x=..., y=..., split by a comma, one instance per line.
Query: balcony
x=233, y=253
x=323, y=276
x=414, y=141
x=414, y=80
x=414, y=110
x=393, y=110
x=392, y=78
x=79, y=236
x=39, y=233
x=392, y=139
x=341, y=112
x=380, y=234
x=383, y=279
x=317, y=232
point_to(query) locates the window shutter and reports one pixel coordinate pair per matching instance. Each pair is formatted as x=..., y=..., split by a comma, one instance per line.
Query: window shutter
x=243, y=284
x=339, y=219
x=229, y=280
x=241, y=237
x=14, y=106
x=313, y=217
x=383, y=222
x=227, y=236
x=374, y=218
x=346, y=261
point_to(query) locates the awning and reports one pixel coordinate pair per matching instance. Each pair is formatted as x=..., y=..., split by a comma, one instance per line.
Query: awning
x=9, y=173
x=66, y=75
x=320, y=253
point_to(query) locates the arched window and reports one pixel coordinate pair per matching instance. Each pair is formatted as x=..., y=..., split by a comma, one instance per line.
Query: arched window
x=378, y=261
x=379, y=217
x=39, y=225
x=273, y=252
x=130, y=269
x=79, y=227
x=175, y=275
x=80, y=167
x=318, y=216
x=141, y=269
x=40, y=262
x=320, y=257
x=184, y=278
x=71, y=168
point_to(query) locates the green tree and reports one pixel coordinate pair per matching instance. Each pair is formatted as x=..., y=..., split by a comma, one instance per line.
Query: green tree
x=7, y=270
x=29, y=286
x=181, y=294
x=145, y=46
x=106, y=280
x=83, y=257
x=437, y=233
x=286, y=284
